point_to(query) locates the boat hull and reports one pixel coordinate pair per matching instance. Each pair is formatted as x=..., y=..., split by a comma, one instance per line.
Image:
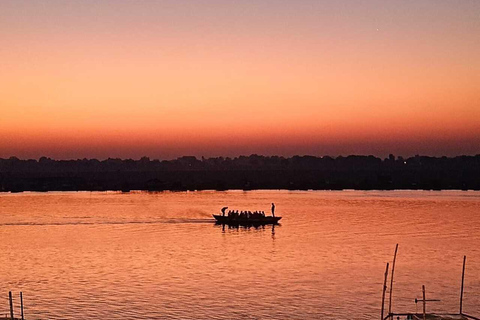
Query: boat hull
x=246, y=221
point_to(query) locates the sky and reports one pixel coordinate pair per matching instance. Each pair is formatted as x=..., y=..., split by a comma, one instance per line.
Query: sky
x=85, y=79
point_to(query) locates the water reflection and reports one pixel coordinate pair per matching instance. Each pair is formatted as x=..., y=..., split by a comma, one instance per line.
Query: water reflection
x=237, y=227
x=160, y=255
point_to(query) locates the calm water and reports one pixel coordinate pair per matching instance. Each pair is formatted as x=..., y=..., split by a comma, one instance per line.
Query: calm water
x=160, y=256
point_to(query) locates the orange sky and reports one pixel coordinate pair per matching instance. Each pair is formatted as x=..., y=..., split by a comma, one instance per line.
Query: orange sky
x=171, y=78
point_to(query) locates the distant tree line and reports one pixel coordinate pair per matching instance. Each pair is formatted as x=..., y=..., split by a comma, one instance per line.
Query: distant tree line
x=244, y=172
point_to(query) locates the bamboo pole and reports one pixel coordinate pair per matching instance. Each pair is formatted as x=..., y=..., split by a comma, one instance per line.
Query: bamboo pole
x=391, y=281
x=463, y=279
x=384, y=289
x=424, y=303
x=21, y=304
x=11, y=304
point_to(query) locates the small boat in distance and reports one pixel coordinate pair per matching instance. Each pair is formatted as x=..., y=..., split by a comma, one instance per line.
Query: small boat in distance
x=246, y=218
x=244, y=221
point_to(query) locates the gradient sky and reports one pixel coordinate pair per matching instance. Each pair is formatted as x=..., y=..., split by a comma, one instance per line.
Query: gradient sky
x=218, y=77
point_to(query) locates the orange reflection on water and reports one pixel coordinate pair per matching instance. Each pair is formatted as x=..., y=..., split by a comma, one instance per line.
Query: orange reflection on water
x=160, y=255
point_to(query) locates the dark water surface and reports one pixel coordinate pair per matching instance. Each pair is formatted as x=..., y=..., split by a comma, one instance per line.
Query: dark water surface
x=160, y=256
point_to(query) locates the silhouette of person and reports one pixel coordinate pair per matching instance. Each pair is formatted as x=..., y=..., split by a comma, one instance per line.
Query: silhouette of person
x=273, y=209
x=223, y=211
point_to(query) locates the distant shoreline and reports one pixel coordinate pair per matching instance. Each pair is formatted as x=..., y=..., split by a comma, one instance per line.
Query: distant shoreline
x=242, y=173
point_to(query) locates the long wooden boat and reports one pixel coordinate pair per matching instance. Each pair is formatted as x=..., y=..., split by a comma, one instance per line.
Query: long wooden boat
x=246, y=221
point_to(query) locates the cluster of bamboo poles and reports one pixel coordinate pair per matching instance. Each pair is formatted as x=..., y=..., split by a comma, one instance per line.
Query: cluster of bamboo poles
x=424, y=300
x=10, y=300
x=391, y=285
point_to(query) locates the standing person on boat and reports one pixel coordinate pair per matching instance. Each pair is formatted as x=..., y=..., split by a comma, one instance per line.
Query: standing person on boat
x=223, y=211
x=273, y=209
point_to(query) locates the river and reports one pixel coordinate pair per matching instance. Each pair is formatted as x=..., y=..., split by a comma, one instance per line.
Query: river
x=139, y=255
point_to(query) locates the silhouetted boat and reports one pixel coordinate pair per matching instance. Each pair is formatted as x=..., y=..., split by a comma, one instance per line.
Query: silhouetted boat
x=245, y=221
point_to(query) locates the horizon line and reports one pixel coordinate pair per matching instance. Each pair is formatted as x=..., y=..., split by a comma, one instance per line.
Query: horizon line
x=145, y=157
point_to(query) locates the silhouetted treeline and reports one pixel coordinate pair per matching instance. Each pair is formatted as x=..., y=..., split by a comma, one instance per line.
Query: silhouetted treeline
x=252, y=172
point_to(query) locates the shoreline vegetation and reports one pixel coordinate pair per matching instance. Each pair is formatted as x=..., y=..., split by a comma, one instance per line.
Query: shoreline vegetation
x=252, y=172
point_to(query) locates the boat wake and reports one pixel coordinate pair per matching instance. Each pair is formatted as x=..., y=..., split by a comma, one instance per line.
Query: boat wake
x=163, y=221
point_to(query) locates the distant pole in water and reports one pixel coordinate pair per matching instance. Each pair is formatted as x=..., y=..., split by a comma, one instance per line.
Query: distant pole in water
x=11, y=304
x=391, y=281
x=384, y=289
x=21, y=304
x=424, y=303
x=463, y=279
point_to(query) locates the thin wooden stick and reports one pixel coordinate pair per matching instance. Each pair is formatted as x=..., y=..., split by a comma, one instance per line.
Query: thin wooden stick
x=463, y=279
x=21, y=304
x=11, y=304
x=384, y=289
x=391, y=281
x=424, y=302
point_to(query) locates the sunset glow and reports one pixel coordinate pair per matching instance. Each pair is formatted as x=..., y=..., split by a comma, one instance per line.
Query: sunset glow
x=170, y=78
